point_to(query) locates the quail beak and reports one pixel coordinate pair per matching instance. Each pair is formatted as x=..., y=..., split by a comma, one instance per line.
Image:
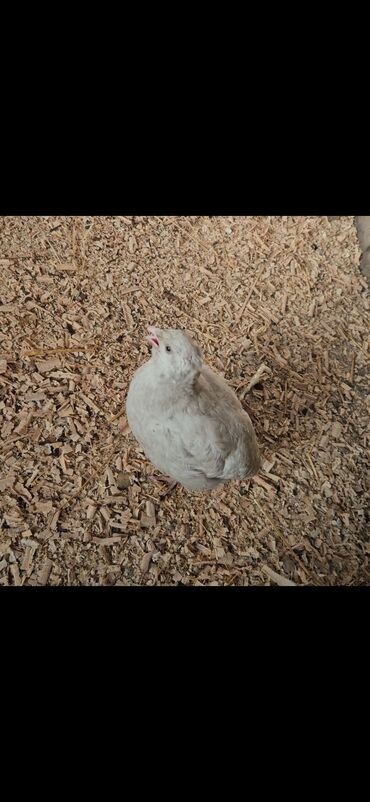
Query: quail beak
x=152, y=337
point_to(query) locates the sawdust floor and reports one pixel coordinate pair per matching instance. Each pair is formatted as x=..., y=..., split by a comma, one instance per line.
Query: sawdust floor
x=76, y=505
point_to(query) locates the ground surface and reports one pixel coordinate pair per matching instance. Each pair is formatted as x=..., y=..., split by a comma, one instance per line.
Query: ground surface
x=76, y=506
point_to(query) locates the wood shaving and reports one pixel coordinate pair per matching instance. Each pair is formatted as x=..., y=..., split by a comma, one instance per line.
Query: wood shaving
x=278, y=304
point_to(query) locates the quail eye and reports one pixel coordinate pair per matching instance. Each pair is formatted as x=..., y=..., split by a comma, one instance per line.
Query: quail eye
x=168, y=348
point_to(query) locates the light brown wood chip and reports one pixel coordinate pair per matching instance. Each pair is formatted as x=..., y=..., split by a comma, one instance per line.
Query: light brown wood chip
x=277, y=578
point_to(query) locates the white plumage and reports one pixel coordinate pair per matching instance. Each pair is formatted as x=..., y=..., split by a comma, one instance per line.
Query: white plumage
x=187, y=419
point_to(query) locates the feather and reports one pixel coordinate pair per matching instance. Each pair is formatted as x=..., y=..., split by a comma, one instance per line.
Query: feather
x=187, y=419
